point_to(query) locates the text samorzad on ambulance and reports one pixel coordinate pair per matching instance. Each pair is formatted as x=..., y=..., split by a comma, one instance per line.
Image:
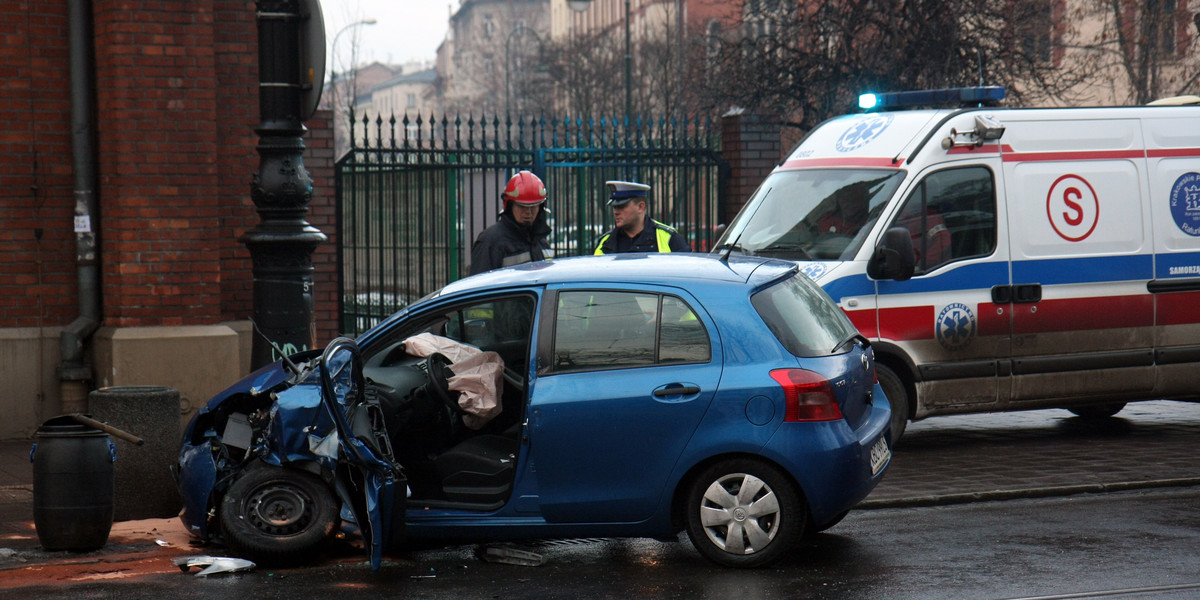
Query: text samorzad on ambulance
x=1000, y=258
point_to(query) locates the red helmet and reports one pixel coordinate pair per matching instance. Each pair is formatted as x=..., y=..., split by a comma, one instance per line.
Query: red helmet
x=525, y=188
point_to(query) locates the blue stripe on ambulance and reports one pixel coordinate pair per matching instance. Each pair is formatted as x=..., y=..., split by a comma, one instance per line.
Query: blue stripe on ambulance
x=1099, y=269
x=1177, y=264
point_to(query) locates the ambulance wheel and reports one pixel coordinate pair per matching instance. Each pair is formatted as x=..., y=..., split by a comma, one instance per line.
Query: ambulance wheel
x=897, y=396
x=277, y=516
x=1099, y=411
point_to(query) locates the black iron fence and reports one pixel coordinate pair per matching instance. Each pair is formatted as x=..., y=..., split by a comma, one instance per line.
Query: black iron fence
x=413, y=194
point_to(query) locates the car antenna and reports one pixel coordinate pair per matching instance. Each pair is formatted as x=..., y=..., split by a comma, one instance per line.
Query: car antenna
x=292, y=365
x=730, y=247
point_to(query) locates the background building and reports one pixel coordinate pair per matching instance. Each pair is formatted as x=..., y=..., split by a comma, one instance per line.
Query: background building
x=489, y=61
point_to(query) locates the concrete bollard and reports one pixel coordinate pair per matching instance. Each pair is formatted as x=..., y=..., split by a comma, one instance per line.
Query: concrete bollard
x=144, y=487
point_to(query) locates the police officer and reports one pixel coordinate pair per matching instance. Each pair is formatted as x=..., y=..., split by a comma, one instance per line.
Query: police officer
x=635, y=230
x=519, y=235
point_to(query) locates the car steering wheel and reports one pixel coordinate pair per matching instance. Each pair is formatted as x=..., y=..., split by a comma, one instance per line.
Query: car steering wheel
x=439, y=385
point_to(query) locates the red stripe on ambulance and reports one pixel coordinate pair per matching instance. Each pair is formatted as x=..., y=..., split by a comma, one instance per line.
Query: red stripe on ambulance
x=1178, y=308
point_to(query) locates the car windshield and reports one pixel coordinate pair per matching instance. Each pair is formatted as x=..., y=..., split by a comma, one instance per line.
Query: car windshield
x=812, y=214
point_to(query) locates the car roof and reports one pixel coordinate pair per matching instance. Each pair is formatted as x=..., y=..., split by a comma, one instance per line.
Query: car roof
x=638, y=267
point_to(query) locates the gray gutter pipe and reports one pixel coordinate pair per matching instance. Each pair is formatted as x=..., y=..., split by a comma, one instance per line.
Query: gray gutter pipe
x=74, y=373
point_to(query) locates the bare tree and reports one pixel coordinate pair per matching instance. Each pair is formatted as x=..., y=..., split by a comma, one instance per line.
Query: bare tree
x=1152, y=44
x=806, y=62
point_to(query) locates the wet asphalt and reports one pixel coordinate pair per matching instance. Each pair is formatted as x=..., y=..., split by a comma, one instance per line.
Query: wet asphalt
x=941, y=461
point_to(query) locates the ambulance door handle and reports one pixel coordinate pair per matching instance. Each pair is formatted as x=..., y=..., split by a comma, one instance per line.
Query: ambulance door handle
x=1027, y=293
x=1001, y=294
x=1017, y=294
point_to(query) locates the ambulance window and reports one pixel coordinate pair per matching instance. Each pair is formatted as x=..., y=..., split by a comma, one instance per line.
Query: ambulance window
x=951, y=215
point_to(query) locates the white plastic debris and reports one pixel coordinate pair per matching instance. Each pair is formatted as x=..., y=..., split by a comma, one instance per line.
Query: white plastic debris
x=213, y=564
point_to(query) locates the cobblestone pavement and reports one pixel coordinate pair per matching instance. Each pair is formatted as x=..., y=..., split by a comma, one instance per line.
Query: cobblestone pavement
x=941, y=460
x=1040, y=453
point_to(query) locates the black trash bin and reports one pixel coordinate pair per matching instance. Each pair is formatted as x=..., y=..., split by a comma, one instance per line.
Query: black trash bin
x=72, y=485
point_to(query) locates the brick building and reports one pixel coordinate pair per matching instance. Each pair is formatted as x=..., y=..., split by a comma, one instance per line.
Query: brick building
x=172, y=112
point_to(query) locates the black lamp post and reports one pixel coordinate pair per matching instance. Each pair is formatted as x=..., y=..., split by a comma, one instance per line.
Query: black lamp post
x=282, y=243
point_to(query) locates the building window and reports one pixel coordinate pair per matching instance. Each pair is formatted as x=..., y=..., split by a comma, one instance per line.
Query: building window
x=1159, y=23
x=411, y=100
x=1038, y=34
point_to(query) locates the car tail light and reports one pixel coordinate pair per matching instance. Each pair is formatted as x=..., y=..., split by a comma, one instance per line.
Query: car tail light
x=807, y=396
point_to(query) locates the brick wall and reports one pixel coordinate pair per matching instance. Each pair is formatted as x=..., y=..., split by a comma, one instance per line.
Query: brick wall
x=318, y=160
x=37, y=247
x=160, y=207
x=236, y=60
x=751, y=145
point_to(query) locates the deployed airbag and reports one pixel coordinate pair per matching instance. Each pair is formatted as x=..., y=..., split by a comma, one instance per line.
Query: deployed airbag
x=478, y=375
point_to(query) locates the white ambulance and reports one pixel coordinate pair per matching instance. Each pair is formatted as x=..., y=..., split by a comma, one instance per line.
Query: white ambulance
x=1000, y=258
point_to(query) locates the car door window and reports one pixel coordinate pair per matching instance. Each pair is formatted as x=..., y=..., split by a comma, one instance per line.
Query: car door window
x=951, y=215
x=501, y=325
x=610, y=330
x=682, y=337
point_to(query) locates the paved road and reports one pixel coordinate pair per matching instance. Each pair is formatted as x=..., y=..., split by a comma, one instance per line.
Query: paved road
x=941, y=461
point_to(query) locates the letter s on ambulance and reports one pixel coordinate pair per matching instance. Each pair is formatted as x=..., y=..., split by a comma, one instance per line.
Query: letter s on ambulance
x=1000, y=258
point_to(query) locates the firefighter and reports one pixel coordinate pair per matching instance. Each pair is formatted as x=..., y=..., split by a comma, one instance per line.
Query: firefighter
x=519, y=235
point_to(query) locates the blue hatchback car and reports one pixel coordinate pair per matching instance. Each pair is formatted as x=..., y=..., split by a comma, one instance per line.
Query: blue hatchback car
x=630, y=395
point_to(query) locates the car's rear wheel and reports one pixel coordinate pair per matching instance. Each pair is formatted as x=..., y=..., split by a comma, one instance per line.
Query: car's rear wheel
x=744, y=513
x=897, y=396
x=277, y=516
x=1099, y=411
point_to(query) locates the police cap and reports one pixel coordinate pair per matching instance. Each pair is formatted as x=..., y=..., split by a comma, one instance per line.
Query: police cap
x=621, y=192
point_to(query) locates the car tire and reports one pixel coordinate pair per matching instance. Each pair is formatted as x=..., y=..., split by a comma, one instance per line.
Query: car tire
x=1099, y=411
x=897, y=395
x=277, y=516
x=744, y=513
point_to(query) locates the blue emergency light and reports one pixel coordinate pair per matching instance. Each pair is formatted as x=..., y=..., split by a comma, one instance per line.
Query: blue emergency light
x=982, y=95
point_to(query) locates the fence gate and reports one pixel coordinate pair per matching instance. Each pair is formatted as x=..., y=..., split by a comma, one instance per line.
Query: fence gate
x=413, y=195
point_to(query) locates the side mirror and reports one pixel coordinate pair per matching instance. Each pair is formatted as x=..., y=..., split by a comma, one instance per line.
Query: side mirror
x=893, y=257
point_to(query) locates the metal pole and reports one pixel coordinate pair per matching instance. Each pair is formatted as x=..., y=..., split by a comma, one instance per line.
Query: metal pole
x=282, y=243
x=508, y=73
x=628, y=69
x=681, y=54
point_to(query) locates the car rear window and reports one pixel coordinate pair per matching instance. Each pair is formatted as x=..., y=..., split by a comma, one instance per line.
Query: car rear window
x=803, y=317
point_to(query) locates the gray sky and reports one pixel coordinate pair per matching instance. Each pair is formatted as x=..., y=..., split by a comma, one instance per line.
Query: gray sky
x=405, y=30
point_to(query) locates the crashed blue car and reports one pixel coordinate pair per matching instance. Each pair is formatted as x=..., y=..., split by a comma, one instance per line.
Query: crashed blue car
x=630, y=395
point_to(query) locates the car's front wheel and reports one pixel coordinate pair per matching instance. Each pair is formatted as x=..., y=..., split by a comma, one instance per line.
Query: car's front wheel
x=744, y=513
x=277, y=516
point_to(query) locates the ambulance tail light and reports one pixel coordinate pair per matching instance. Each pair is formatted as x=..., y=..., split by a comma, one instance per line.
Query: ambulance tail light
x=807, y=396
x=965, y=96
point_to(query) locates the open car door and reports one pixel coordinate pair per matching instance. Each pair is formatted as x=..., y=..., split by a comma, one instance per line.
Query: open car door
x=368, y=479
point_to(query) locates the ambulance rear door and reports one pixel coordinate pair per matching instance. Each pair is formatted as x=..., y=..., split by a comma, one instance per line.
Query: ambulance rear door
x=1083, y=319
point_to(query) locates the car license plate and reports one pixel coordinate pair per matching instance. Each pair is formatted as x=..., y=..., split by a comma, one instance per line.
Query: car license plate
x=879, y=455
